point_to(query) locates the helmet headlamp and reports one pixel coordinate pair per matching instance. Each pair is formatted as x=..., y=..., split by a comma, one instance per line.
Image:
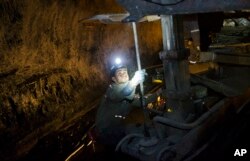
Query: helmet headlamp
x=117, y=65
x=118, y=61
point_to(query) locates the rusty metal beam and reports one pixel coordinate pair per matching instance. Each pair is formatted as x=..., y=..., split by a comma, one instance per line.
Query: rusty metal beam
x=141, y=8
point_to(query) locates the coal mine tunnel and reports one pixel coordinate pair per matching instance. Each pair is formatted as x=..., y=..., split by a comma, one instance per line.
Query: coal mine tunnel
x=56, y=58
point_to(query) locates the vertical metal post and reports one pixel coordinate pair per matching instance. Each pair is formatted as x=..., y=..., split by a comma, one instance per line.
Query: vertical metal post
x=146, y=115
x=176, y=72
x=138, y=59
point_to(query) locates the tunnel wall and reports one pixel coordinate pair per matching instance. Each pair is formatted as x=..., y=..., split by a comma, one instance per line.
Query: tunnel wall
x=53, y=65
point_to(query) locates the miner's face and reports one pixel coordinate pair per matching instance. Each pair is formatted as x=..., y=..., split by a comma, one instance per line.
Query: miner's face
x=121, y=76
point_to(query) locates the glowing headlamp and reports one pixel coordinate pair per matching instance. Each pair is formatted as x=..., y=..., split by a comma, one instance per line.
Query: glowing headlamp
x=117, y=64
x=118, y=61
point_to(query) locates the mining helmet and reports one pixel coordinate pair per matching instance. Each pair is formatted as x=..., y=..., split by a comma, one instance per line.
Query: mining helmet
x=117, y=65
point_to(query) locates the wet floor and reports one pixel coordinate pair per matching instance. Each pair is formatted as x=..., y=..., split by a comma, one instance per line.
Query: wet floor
x=74, y=143
x=100, y=153
x=59, y=145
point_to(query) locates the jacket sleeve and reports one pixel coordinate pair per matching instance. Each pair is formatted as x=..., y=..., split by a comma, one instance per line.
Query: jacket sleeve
x=121, y=92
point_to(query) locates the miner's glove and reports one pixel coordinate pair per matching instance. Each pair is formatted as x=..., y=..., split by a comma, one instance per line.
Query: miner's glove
x=139, y=77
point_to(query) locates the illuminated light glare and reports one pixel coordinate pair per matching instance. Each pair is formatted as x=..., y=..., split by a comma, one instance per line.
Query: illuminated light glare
x=158, y=98
x=150, y=105
x=72, y=154
x=192, y=62
x=157, y=81
x=169, y=110
x=89, y=142
x=118, y=61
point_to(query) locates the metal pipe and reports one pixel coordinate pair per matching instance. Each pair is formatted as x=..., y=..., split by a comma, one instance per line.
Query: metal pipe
x=188, y=126
x=138, y=59
x=216, y=86
x=126, y=138
x=139, y=68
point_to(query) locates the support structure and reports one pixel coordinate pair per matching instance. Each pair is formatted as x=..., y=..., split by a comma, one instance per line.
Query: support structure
x=175, y=66
x=179, y=136
x=141, y=8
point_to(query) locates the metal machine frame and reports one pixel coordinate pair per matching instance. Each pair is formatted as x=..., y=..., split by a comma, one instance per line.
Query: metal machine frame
x=183, y=137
